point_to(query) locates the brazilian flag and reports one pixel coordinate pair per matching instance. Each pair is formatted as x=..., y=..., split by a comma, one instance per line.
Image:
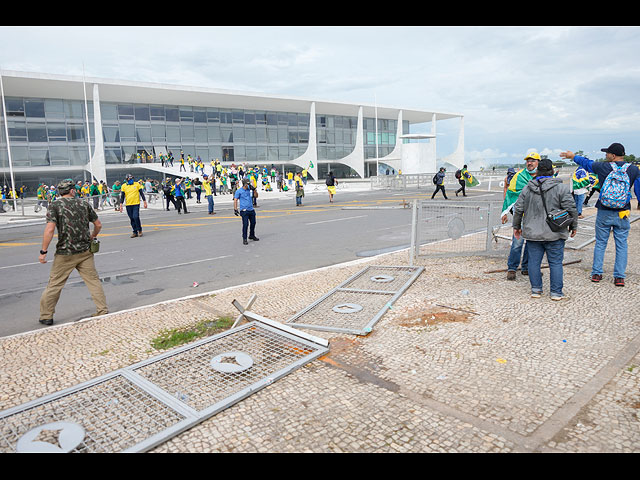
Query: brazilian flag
x=593, y=180
x=469, y=179
x=580, y=179
x=518, y=182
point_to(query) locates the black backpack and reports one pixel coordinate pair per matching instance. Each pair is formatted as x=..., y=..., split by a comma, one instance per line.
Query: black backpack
x=435, y=179
x=459, y=174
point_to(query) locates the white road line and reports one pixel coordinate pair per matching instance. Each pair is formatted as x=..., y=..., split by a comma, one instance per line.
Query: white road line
x=38, y=263
x=336, y=220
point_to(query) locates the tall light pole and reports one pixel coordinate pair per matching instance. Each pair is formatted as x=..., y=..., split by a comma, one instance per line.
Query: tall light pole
x=6, y=131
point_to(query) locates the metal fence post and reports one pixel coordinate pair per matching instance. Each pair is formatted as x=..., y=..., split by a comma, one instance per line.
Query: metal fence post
x=414, y=229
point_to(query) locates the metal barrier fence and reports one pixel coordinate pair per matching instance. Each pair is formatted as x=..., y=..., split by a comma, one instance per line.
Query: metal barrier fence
x=489, y=181
x=440, y=229
x=359, y=302
x=138, y=407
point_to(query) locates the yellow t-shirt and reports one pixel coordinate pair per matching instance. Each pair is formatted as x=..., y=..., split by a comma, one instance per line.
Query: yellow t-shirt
x=131, y=193
x=207, y=187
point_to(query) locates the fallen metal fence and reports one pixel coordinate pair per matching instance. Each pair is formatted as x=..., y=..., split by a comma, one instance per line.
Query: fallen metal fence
x=359, y=302
x=141, y=406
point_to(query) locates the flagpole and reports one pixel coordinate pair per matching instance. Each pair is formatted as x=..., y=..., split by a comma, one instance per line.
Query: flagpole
x=86, y=110
x=6, y=131
x=375, y=100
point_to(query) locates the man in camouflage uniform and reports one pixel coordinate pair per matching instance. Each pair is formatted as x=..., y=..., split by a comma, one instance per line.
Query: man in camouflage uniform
x=71, y=216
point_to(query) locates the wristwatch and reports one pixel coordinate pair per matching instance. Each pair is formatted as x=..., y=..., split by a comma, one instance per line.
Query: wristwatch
x=43, y=252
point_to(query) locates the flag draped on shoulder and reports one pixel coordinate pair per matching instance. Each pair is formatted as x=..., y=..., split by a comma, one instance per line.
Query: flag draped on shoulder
x=519, y=180
x=469, y=179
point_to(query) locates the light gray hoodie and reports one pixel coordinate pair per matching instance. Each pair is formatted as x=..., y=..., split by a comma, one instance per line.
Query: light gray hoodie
x=529, y=214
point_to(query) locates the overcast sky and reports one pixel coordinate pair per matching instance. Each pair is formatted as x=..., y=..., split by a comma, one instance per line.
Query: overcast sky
x=519, y=88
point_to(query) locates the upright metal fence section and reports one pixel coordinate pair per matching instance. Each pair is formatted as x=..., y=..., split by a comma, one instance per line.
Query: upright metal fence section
x=358, y=303
x=453, y=228
x=138, y=407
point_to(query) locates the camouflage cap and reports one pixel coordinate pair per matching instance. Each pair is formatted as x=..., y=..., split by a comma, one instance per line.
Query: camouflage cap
x=65, y=186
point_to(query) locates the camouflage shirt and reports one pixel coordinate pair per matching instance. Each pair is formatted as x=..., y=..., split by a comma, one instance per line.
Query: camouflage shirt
x=72, y=217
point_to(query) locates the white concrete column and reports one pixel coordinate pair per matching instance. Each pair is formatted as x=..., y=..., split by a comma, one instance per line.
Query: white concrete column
x=97, y=160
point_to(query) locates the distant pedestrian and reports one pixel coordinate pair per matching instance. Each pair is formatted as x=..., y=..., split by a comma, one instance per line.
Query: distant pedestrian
x=331, y=182
x=71, y=217
x=438, y=180
x=243, y=206
x=300, y=182
x=178, y=195
x=615, y=177
x=131, y=194
x=541, y=195
x=208, y=191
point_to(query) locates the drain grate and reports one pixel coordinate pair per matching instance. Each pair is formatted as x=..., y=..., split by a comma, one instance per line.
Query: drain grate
x=357, y=304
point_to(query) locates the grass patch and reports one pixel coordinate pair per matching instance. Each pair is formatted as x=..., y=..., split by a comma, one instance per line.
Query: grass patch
x=178, y=336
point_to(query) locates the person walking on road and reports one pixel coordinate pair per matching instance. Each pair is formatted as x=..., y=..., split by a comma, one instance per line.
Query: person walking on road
x=71, y=217
x=615, y=177
x=331, y=185
x=438, y=179
x=131, y=194
x=243, y=206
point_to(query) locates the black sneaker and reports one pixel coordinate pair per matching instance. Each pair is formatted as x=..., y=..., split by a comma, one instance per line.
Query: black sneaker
x=244, y=242
x=46, y=322
x=255, y=239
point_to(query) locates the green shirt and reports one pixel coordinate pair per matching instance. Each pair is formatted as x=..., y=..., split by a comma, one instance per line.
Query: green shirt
x=72, y=217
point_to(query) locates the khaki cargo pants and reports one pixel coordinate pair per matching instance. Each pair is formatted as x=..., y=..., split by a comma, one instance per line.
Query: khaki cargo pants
x=62, y=267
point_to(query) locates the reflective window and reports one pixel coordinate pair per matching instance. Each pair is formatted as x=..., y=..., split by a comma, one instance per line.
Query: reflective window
x=37, y=133
x=53, y=109
x=142, y=112
x=15, y=107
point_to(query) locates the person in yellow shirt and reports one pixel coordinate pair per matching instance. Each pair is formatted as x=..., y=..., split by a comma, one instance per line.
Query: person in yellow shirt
x=131, y=194
x=208, y=191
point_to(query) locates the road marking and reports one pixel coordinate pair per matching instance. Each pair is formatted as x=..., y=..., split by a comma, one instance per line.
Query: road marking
x=38, y=263
x=336, y=220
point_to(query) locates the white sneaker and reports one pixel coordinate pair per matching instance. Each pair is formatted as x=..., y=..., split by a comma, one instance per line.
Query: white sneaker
x=556, y=297
x=535, y=295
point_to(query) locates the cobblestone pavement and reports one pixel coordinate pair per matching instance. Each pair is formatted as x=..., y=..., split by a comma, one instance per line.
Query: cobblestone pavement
x=502, y=373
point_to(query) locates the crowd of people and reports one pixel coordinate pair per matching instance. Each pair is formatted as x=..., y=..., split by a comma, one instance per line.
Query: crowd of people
x=546, y=213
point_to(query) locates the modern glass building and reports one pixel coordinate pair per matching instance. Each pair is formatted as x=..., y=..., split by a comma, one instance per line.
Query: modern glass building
x=56, y=126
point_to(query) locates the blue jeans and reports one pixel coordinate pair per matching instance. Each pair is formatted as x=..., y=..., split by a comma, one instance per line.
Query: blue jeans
x=579, y=202
x=555, y=256
x=606, y=221
x=134, y=215
x=248, y=222
x=210, y=201
x=516, y=252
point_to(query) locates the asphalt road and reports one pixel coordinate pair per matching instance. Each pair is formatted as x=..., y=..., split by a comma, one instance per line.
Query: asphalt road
x=178, y=250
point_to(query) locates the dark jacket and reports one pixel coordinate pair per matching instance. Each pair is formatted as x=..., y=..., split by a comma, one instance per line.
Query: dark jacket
x=529, y=214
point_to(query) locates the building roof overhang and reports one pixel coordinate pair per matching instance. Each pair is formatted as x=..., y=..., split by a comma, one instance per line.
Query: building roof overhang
x=44, y=85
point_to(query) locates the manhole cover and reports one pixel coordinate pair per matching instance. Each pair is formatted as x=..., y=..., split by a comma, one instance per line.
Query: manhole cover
x=347, y=308
x=69, y=435
x=231, y=362
x=382, y=278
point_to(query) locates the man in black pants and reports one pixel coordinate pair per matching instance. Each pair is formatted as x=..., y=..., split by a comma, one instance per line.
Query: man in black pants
x=439, y=181
x=462, y=182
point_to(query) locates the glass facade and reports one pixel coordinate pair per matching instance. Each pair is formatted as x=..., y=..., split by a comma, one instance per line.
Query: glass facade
x=53, y=132
x=45, y=132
